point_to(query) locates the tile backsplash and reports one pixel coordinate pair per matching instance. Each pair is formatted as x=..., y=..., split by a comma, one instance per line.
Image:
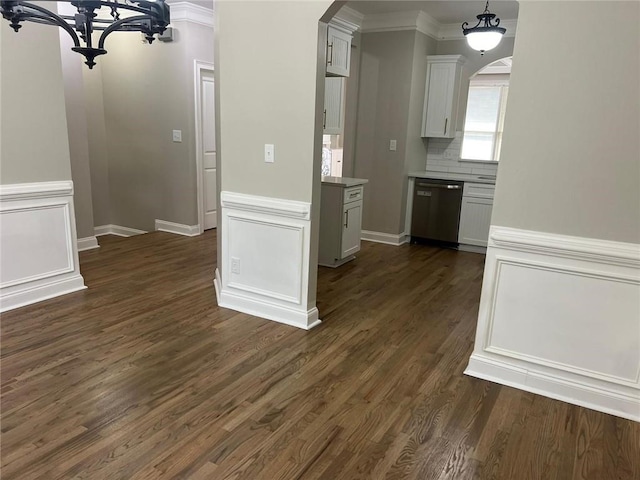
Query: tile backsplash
x=443, y=155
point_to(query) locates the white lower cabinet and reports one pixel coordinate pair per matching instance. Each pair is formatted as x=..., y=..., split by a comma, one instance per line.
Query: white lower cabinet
x=340, y=221
x=475, y=215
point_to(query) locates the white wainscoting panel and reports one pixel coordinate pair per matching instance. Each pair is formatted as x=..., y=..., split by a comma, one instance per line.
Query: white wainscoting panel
x=560, y=316
x=177, y=228
x=38, y=250
x=265, y=259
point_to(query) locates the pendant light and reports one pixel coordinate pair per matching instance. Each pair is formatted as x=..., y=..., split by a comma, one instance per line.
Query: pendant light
x=148, y=17
x=486, y=34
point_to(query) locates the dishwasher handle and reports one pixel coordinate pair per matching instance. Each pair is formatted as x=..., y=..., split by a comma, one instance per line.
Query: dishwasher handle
x=440, y=185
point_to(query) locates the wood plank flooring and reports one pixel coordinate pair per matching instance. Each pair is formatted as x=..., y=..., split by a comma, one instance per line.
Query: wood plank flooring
x=142, y=376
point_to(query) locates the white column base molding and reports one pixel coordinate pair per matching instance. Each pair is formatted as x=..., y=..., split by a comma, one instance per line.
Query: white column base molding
x=117, y=230
x=177, y=228
x=265, y=259
x=87, y=243
x=38, y=247
x=386, y=238
x=560, y=316
x=260, y=308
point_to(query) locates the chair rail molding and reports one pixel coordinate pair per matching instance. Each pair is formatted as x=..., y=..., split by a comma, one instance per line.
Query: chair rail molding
x=560, y=316
x=265, y=259
x=38, y=245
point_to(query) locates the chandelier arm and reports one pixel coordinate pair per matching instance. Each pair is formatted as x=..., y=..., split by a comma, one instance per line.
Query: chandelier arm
x=475, y=26
x=115, y=25
x=50, y=18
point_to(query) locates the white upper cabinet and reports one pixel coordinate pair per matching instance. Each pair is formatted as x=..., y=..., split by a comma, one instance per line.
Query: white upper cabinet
x=444, y=76
x=334, y=89
x=338, y=52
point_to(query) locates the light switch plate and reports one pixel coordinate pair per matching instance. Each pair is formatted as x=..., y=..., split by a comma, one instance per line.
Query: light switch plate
x=177, y=136
x=392, y=145
x=269, y=153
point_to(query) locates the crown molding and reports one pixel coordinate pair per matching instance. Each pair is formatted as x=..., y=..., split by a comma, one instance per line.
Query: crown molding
x=352, y=18
x=188, y=12
x=453, y=31
x=422, y=22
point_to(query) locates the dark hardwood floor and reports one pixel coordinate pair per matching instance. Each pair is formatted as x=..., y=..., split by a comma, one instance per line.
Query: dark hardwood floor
x=142, y=376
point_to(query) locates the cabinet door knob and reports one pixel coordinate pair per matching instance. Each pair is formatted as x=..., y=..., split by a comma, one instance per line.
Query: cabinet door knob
x=445, y=125
x=330, y=59
x=346, y=222
x=324, y=119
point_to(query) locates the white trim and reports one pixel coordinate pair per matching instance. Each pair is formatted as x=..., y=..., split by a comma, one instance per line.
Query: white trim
x=188, y=12
x=87, y=243
x=178, y=228
x=422, y=22
x=117, y=230
x=537, y=326
x=553, y=386
x=343, y=25
x=350, y=16
x=41, y=262
x=578, y=248
x=386, y=238
x=261, y=308
x=463, y=247
x=24, y=191
x=198, y=66
x=268, y=205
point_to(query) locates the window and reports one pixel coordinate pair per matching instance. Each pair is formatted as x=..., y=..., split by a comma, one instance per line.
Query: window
x=485, y=119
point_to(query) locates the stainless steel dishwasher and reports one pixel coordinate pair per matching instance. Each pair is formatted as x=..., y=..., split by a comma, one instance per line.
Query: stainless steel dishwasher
x=436, y=211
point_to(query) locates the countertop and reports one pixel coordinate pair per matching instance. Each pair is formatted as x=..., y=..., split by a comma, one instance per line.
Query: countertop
x=461, y=177
x=344, y=182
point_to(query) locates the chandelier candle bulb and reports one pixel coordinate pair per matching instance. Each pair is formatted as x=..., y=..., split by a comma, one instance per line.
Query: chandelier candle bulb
x=150, y=18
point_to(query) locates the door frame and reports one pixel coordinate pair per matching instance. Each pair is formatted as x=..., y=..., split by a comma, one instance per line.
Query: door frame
x=198, y=67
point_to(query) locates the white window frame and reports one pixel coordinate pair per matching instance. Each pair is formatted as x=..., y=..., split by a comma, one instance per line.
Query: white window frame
x=503, y=83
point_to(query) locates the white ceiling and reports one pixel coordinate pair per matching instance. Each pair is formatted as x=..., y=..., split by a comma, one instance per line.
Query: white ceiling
x=451, y=11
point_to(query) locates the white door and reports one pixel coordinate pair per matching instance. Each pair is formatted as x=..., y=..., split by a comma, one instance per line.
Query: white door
x=207, y=148
x=352, y=218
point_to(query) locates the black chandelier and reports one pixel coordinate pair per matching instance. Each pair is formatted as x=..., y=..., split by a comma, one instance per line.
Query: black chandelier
x=486, y=34
x=149, y=17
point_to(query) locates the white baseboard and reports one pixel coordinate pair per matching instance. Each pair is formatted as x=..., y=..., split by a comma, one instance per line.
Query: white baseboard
x=177, y=228
x=463, y=247
x=87, y=243
x=386, y=238
x=265, y=259
x=44, y=291
x=260, y=308
x=559, y=316
x=117, y=230
x=38, y=248
x=556, y=387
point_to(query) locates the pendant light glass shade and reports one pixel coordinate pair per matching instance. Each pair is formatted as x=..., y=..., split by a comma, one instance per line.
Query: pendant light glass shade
x=483, y=41
x=486, y=34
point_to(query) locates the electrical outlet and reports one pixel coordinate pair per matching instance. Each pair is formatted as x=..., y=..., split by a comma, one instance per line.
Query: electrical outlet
x=447, y=154
x=235, y=265
x=269, y=153
x=392, y=145
x=177, y=136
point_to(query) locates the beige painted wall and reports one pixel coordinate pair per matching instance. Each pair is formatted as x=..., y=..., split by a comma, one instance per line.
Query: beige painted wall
x=391, y=93
x=148, y=92
x=97, y=140
x=72, y=65
x=33, y=138
x=570, y=160
x=267, y=82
